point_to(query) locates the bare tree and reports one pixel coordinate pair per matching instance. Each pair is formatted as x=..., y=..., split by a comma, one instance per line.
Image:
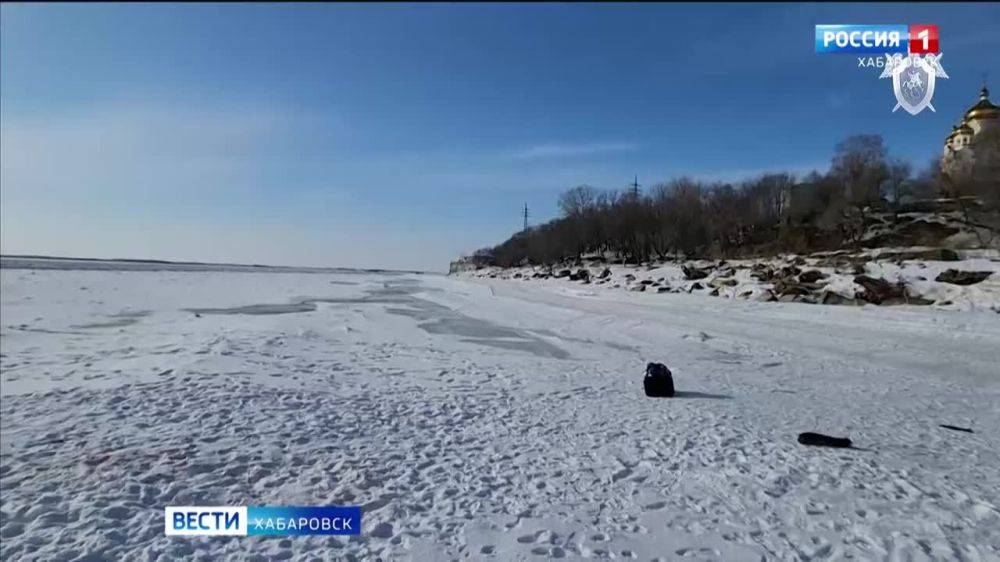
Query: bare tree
x=772, y=192
x=695, y=219
x=578, y=200
x=897, y=181
x=859, y=165
x=859, y=162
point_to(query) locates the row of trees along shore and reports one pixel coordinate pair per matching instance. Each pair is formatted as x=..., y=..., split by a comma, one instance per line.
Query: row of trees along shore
x=774, y=212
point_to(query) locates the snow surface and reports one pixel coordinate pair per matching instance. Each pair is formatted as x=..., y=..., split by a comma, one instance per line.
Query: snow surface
x=488, y=419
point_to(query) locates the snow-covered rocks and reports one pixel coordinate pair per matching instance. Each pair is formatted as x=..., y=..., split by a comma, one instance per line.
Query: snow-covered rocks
x=939, y=277
x=879, y=291
x=956, y=277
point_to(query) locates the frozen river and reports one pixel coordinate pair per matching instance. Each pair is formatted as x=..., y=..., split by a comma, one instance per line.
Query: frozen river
x=487, y=419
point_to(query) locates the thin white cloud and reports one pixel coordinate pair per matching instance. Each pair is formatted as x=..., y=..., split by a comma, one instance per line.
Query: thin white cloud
x=738, y=175
x=121, y=149
x=558, y=150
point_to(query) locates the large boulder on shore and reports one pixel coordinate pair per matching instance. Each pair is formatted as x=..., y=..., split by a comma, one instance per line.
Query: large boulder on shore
x=788, y=286
x=879, y=291
x=580, y=275
x=693, y=273
x=723, y=282
x=788, y=271
x=831, y=297
x=811, y=276
x=958, y=277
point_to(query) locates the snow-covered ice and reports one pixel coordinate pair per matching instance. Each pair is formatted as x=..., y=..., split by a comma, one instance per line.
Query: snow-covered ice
x=488, y=419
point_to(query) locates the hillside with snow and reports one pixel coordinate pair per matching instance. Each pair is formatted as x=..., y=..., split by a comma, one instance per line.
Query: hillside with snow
x=920, y=258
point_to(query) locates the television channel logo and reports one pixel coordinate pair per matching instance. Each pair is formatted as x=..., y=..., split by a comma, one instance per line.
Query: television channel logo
x=242, y=521
x=912, y=57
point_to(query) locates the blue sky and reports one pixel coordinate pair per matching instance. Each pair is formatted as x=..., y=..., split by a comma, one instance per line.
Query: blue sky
x=401, y=136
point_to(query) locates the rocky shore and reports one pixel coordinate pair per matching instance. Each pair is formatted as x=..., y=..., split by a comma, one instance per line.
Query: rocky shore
x=926, y=276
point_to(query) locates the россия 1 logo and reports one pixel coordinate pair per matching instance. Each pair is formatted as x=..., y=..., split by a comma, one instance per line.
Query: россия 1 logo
x=913, y=76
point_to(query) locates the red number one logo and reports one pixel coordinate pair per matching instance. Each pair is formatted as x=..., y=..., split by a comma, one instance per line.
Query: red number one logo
x=923, y=39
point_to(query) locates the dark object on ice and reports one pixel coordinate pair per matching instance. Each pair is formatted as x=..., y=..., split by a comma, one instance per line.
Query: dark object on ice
x=956, y=277
x=956, y=428
x=658, y=381
x=820, y=440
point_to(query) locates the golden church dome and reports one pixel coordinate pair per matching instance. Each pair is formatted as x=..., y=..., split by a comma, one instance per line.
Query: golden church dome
x=984, y=109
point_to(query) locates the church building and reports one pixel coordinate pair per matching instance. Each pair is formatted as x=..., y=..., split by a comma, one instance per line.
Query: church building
x=972, y=150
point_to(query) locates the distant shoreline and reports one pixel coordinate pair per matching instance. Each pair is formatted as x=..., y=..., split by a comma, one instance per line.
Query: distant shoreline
x=30, y=261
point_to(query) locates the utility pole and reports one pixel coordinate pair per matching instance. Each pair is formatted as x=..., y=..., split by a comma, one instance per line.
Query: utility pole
x=525, y=216
x=635, y=187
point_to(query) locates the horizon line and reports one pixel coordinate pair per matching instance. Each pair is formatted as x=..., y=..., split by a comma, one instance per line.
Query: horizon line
x=317, y=269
